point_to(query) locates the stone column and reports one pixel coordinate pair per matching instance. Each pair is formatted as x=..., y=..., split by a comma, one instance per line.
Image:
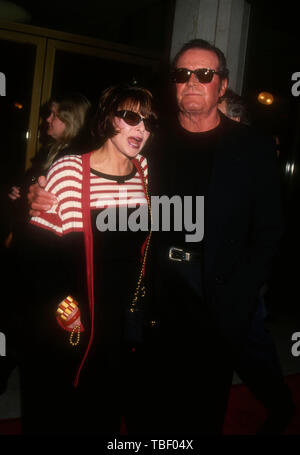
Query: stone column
x=224, y=23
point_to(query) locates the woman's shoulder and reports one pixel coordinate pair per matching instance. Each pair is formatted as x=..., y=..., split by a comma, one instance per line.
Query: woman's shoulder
x=143, y=164
x=66, y=164
x=142, y=160
x=66, y=171
x=67, y=160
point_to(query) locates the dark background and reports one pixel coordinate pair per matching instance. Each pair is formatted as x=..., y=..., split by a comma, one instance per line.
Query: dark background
x=140, y=23
x=271, y=59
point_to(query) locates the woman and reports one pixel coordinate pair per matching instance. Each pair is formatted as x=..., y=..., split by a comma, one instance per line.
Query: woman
x=80, y=325
x=66, y=126
x=63, y=127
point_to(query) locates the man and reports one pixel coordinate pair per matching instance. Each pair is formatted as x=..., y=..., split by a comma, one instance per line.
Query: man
x=206, y=291
x=215, y=283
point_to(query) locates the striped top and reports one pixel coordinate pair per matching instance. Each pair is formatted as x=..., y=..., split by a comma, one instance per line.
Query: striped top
x=64, y=180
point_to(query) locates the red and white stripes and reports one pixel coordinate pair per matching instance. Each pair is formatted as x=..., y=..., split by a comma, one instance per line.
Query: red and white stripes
x=64, y=180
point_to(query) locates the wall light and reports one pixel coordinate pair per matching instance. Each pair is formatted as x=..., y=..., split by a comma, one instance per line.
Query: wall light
x=289, y=168
x=18, y=105
x=265, y=98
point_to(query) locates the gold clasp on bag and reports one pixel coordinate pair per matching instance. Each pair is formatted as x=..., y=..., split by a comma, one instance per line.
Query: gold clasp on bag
x=68, y=316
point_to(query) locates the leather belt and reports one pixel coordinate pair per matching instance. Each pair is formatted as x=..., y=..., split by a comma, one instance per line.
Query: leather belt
x=181, y=255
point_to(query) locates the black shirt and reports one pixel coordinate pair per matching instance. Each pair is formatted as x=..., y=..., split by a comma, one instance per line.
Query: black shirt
x=182, y=164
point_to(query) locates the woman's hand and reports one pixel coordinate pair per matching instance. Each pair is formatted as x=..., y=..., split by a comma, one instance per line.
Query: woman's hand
x=14, y=193
x=40, y=200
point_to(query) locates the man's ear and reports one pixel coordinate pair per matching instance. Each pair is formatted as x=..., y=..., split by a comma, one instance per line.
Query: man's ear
x=223, y=87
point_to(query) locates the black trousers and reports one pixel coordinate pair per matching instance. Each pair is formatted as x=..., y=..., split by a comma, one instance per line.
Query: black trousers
x=194, y=369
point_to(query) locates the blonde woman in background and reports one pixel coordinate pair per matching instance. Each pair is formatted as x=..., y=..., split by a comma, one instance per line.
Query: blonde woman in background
x=63, y=127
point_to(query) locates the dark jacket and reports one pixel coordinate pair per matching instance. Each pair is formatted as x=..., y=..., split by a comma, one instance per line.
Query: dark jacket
x=243, y=224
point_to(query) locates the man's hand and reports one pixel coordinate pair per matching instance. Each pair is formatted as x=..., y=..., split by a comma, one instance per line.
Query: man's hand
x=39, y=199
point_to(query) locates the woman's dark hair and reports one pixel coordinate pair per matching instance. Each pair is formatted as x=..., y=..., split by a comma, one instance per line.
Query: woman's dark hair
x=116, y=98
x=205, y=45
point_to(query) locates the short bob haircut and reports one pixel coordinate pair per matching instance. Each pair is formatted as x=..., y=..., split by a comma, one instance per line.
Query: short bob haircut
x=203, y=45
x=116, y=98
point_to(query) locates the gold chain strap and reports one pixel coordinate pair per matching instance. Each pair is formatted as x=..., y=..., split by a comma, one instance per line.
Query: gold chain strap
x=140, y=290
x=76, y=329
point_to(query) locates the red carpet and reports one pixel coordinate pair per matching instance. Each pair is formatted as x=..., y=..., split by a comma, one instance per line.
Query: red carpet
x=10, y=426
x=244, y=415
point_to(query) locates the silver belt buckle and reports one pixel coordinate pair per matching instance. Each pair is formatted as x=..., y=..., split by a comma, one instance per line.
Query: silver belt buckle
x=178, y=254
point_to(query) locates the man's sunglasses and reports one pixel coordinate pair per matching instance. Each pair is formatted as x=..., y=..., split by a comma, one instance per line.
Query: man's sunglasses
x=133, y=119
x=204, y=75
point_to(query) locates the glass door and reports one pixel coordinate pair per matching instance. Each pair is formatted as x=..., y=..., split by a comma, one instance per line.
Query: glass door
x=72, y=67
